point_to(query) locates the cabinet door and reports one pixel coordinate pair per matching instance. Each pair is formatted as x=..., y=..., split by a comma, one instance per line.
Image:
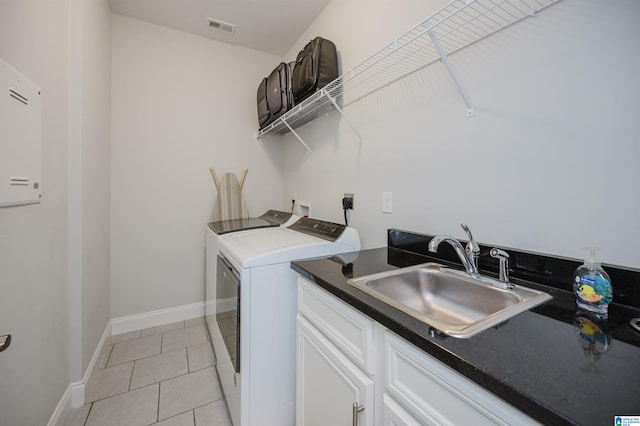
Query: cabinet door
x=329, y=383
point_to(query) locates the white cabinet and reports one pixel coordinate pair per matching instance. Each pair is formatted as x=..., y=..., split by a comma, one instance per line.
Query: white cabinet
x=344, y=356
x=329, y=384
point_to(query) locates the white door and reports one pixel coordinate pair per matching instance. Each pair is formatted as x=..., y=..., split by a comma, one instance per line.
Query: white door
x=329, y=383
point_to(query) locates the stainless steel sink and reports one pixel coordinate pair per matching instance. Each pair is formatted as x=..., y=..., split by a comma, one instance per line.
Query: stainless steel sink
x=451, y=301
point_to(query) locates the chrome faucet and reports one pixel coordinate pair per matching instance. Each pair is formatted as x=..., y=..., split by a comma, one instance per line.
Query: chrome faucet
x=468, y=256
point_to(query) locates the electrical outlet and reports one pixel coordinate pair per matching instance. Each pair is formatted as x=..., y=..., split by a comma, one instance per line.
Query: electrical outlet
x=387, y=202
x=347, y=202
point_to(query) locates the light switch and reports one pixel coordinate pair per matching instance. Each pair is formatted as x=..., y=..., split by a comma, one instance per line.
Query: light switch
x=387, y=202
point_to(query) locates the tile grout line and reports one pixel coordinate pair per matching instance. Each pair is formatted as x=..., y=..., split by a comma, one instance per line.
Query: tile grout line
x=194, y=408
x=160, y=382
x=133, y=367
x=158, y=406
x=109, y=356
x=116, y=395
x=151, y=356
x=120, y=393
x=86, y=420
x=129, y=341
x=163, y=380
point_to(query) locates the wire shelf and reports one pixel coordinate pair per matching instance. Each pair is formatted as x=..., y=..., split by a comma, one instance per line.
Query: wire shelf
x=455, y=26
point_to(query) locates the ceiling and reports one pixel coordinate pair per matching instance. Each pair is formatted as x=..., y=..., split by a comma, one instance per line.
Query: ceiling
x=271, y=26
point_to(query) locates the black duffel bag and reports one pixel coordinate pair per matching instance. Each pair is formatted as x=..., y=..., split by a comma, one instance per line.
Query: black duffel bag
x=316, y=66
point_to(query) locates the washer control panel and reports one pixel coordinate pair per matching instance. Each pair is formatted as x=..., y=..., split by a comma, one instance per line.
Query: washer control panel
x=319, y=228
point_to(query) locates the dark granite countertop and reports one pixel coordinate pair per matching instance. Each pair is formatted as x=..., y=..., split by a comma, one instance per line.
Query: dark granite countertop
x=536, y=361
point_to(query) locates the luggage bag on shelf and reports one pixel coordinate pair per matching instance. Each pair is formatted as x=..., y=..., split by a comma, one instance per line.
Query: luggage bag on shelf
x=274, y=96
x=316, y=65
x=263, y=108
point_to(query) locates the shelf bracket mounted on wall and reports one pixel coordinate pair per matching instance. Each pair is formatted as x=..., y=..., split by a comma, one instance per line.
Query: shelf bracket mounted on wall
x=345, y=116
x=452, y=72
x=322, y=93
x=296, y=135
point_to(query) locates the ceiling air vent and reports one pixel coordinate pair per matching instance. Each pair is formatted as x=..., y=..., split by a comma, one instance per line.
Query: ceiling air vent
x=221, y=25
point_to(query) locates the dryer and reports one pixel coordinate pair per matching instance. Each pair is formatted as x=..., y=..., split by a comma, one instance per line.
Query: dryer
x=258, y=381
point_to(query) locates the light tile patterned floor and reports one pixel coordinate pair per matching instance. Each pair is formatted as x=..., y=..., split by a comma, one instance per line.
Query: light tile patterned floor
x=162, y=376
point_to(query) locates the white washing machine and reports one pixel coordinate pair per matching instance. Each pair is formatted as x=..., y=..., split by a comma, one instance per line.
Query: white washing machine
x=215, y=230
x=255, y=337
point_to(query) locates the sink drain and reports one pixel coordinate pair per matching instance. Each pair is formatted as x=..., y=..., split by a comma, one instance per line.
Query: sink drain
x=635, y=324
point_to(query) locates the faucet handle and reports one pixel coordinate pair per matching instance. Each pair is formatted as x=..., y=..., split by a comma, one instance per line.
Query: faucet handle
x=472, y=247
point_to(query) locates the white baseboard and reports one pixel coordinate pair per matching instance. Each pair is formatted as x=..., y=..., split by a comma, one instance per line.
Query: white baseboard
x=63, y=409
x=154, y=318
x=73, y=397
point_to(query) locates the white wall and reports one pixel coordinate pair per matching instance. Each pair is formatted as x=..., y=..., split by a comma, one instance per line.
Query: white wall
x=179, y=103
x=548, y=163
x=54, y=256
x=34, y=370
x=91, y=107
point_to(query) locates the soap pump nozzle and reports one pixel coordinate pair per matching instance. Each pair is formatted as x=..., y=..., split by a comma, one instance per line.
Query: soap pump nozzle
x=592, y=262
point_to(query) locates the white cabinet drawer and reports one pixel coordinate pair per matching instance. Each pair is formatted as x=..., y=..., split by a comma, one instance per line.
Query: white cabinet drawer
x=436, y=394
x=349, y=330
x=395, y=415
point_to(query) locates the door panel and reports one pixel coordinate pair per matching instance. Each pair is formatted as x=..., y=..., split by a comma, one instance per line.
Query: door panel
x=329, y=383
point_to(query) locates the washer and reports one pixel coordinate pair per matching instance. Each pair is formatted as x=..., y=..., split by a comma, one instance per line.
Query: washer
x=258, y=381
x=215, y=230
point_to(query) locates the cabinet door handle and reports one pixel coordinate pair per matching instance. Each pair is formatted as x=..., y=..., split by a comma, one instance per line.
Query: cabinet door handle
x=354, y=413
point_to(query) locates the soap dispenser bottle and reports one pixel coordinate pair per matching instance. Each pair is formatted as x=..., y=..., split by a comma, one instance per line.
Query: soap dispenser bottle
x=592, y=285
